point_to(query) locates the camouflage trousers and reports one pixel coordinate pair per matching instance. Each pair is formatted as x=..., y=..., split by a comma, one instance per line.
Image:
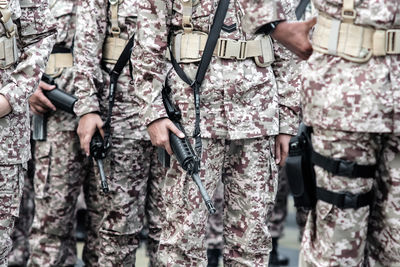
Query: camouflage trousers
x=60, y=169
x=11, y=187
x=249, y=174
x=215, y=225
x=276, y=221
x=367, y=236
x=20, y=237
x=116, y=218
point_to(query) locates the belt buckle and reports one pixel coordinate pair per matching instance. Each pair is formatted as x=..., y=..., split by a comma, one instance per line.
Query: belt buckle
x=391, y=46
x=225, y=45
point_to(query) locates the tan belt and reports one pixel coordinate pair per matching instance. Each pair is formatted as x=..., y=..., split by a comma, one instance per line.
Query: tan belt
x=58, y=62
x=352, y=42
x=189, y=47
x=112, y=49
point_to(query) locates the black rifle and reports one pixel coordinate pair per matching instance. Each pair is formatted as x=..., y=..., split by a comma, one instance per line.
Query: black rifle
x=98, y=150
x=183, y=151
x=65, y=102
x=60, y=99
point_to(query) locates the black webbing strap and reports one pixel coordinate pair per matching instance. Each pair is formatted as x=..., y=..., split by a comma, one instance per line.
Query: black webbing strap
x=203, y=66
x=301, y=8
x=114, y=75
x=343, y=167
x=345, y=200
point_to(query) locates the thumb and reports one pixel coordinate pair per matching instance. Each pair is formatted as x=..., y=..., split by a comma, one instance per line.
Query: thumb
x=311, y=22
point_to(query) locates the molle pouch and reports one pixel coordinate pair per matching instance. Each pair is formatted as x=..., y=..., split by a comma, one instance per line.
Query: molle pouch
x=8, y=51
x=300, y=170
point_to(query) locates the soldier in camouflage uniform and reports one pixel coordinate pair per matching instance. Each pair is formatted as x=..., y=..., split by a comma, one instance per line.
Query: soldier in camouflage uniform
x=350, y=97
x=248, y=113
x=27, y=36
x=60, y=165
x=132, y=170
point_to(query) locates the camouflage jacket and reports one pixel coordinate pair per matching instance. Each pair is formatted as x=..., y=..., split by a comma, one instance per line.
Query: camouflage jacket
x=91, y=80
x=259, y=13
x=342, y=95
x=238, y=99
x=36, y=30
x=64, y=11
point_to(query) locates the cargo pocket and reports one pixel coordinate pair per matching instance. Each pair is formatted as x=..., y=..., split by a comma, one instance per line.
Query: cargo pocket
x=42, y=169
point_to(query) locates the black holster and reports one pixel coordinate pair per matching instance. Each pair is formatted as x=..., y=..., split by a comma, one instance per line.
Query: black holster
x=299, y=169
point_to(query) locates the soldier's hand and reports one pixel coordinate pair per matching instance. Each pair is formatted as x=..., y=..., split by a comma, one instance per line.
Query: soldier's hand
x=281, y=148
x=88, y=124
x=38, y=102
x=294, y=35
x=159, y=133
x=5, y=106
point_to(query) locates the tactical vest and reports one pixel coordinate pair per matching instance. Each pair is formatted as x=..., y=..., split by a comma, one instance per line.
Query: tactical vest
x=8, y=42
x=114, y=44
x=352, y=42
x=188, y=45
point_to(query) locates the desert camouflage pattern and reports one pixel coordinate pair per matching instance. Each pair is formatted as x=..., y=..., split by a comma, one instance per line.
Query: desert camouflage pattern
x=348, y=96
x=35, y=39
x=249, y=175
x=20, y=250
x=366, y=236
x=61, y=166
x=116, y=219
x=60, y=169
x=258, y=13
x=353, y=109
x=246, y=103
x=133, y=173
x=277, y=218
x=11, y=187
x=36, y=30
x=215, y=226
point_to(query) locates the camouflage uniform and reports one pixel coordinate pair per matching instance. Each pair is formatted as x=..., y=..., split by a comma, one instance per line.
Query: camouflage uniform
x=276, y=221
x=20, y=251
x=353, y=108
x=243, y=108
x=60, y=165
x=35, y=38
x=132, y=169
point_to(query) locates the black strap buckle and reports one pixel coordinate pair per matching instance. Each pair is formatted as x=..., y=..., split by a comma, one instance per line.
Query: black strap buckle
x=345, y=168
x=350, y=201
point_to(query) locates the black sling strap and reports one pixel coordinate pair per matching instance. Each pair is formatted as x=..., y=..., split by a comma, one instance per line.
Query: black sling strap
x=203, y=66
x=301, y=8
x=346, y=200
x=114, y=75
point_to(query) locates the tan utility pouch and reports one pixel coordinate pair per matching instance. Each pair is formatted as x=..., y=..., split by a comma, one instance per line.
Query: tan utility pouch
x=112, y=49
x=354, y=43
x=8, y=43
x=57, y=63
x=189, y=47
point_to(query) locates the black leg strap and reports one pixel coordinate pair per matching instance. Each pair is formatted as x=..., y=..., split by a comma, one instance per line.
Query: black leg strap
x=345, y=200
x=343, y=167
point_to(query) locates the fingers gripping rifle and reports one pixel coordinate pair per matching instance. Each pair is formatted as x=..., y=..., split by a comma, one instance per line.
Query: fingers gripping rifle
x=183, y=151
x=98, y=150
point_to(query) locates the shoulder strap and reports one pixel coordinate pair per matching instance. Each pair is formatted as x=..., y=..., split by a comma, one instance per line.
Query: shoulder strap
x=115, y=30
x=114, y=75
x=203, y=66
